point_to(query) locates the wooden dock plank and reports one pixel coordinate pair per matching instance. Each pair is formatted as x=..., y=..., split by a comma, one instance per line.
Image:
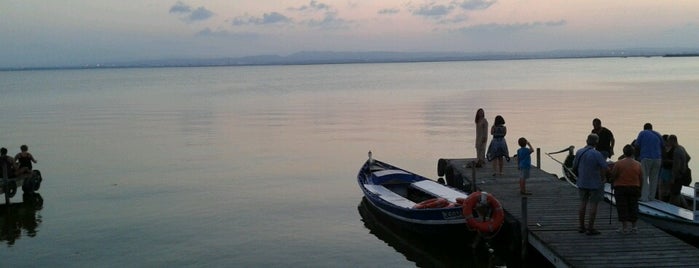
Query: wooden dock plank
x=553, y=220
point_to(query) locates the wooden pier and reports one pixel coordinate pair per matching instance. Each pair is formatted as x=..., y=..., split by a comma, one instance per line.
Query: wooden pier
x=551, y=218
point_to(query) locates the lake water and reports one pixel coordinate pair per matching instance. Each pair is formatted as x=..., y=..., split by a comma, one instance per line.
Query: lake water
x=256, y=166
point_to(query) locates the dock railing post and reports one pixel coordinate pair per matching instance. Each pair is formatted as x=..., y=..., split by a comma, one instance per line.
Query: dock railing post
x=696, y=193
x=473, y=176
x=525, y=230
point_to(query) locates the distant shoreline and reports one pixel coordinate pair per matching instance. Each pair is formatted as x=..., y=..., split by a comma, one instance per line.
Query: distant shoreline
x=321, y=58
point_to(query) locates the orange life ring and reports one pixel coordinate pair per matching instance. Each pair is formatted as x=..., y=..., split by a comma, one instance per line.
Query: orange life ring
x=432, y=203
x=485, y=224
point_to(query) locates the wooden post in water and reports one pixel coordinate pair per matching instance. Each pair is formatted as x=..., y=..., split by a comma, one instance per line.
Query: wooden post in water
x=4, y=182
x=524, y=229
x=538, y=158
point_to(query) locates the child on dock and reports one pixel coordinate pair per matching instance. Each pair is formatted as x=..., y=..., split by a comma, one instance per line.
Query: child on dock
x=524, y=164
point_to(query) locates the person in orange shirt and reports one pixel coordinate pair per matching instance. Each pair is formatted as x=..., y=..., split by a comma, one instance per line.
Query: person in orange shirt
x=627, y=176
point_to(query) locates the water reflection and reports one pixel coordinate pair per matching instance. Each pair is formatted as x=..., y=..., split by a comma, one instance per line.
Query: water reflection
x=16, y=217
x=430, y=252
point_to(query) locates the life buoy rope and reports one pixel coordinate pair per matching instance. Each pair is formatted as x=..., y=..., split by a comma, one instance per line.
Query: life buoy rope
x=484, y=223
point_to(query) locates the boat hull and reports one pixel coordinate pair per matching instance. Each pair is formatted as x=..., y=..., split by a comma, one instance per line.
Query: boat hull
x=429, y=221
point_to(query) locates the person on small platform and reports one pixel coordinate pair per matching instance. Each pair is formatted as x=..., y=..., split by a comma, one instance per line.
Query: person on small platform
x=524, y=164
x=592, y=167
x=24, y=160
x=7, y=163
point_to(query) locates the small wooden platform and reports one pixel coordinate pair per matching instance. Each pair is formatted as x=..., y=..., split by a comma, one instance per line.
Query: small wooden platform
x=552, y=223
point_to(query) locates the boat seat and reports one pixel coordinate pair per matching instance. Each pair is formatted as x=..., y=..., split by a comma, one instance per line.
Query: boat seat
x=439, y=190
x=388, y=195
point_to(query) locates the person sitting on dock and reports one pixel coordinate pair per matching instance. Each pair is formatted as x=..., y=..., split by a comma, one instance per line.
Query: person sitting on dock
x=627, y=177
x=592, y=167
x=7, y=163
x=24, y=159
x=524, y=164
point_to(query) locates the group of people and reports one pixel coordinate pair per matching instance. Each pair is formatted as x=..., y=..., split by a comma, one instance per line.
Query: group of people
x=16, y=166
x=652, y=167
x=497, y=150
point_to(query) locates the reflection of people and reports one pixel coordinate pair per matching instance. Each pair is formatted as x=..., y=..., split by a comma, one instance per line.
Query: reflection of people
x=8, y=162
x=606, y=138
x=524, y=163
x=591, y=166
x=498, y=146
x=650, y=145
x=627, y=176
x=481, y=137
x=24, y=159
x=20, y=216
x=680, y=160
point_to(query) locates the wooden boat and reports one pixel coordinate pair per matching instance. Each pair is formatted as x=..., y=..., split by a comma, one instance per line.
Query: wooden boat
x=423, y=205
x=679, y=221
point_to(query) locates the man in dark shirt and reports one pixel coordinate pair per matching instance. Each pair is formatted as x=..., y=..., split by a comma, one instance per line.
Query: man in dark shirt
x=606, y=138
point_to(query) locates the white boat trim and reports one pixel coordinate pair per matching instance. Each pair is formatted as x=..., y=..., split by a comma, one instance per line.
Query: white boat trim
x=439, y=190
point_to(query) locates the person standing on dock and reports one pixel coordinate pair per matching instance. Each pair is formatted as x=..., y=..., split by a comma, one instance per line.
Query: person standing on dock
x=649, y=143
x=680, y=172
x=481, y=137
x=606, y=138
x=498, y=146
x=524, y=164
x=626, y=178
x=591, y=166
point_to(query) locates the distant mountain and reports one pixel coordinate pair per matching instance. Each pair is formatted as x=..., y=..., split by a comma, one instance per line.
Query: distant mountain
x=334, y=57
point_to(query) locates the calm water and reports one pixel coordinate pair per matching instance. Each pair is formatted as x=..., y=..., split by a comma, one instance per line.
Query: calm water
x=256, y=166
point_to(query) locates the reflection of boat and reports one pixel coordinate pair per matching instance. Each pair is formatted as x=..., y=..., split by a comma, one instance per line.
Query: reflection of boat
x=681, y=222
x=426, y=251
x=426, y=206
x=18, y=217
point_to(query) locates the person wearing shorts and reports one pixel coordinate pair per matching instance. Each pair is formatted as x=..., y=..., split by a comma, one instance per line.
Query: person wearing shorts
x=592, y=168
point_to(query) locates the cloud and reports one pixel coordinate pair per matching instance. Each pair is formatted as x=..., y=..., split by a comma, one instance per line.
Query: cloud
x=198, y=14
x=510, y=28
x=180, y=7
x=330, y=21
x=266, y=19
x=433, y=10
x=388, y=11
x=476, y=4
x=313, y=6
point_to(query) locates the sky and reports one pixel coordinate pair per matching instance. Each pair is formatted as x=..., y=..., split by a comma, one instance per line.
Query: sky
x=78, y=32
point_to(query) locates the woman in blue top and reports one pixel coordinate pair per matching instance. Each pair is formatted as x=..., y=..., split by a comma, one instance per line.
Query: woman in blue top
x=498, y=146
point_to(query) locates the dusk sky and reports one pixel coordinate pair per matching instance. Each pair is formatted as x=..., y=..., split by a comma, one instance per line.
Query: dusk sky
x=75, y=32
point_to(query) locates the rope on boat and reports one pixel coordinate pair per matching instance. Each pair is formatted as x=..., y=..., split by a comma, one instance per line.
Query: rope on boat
x=564, y=166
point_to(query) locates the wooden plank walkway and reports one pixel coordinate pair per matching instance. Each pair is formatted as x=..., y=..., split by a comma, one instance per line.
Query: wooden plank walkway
x=552, y=223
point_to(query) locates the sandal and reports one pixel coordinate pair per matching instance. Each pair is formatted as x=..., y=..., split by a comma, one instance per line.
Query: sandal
x=581, y=229
x=622, y=231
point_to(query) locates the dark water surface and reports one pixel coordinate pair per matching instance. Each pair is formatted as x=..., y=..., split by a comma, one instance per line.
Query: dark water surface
x=256, y=166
